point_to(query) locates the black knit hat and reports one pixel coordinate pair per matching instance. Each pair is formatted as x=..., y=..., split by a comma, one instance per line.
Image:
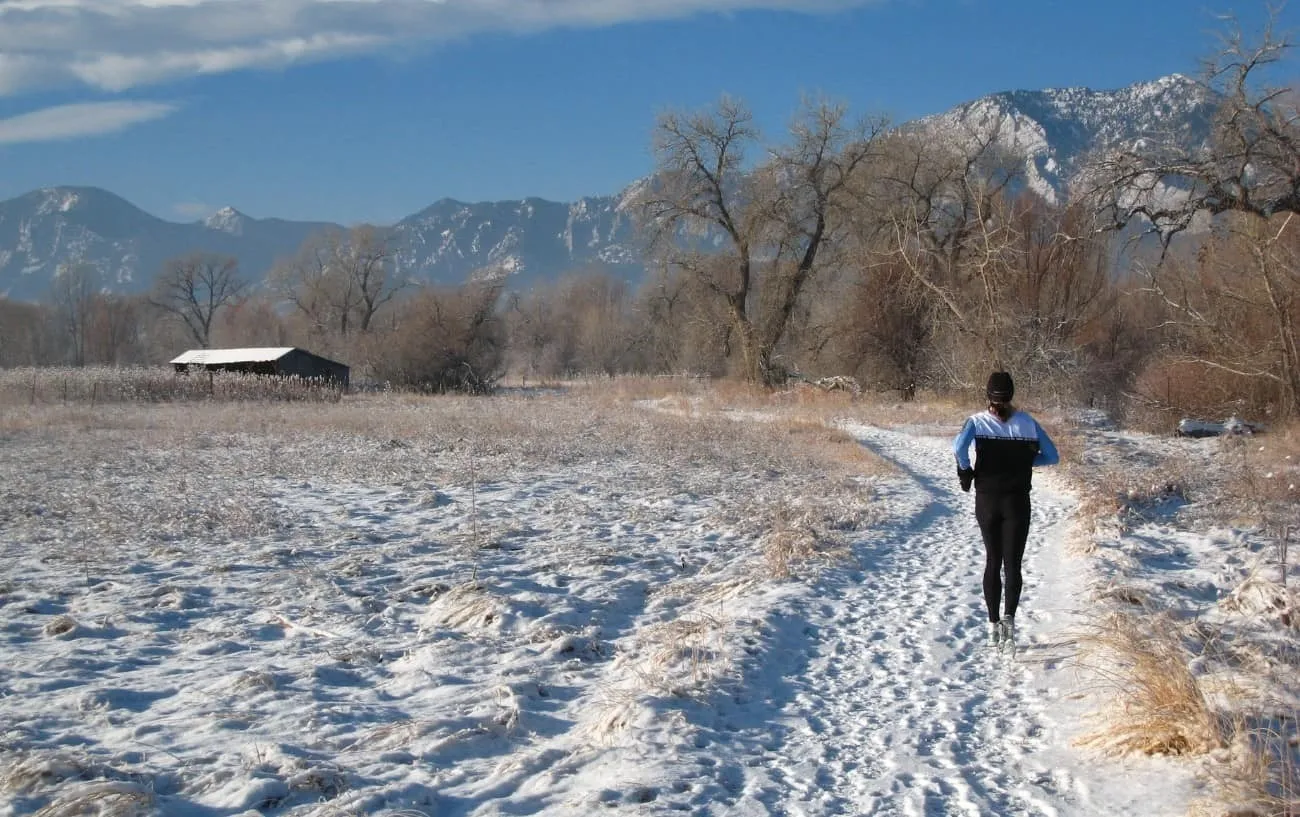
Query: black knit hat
x=1001, y=387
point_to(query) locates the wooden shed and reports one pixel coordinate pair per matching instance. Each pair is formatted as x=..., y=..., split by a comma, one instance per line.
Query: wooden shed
x=275, y=361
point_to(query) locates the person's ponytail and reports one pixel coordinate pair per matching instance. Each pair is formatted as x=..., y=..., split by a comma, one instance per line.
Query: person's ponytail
x=1002, y=411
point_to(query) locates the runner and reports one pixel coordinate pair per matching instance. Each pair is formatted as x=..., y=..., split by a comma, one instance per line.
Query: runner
x=1008, y=445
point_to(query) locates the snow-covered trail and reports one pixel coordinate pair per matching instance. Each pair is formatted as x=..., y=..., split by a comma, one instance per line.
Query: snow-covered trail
x=889, y=702
x=903, y=706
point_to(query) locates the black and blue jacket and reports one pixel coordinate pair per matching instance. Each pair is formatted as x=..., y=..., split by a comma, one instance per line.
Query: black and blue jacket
x=1005, y=452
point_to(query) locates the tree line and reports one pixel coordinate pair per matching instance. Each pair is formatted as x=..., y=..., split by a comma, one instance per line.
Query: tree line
x=895, y=255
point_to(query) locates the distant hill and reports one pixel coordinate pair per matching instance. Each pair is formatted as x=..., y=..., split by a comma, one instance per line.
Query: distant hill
x=46, y=228
x=538, y=240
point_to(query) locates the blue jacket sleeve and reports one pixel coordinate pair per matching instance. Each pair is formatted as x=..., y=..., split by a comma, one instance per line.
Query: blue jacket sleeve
x=1047, y=453
x=961, y=445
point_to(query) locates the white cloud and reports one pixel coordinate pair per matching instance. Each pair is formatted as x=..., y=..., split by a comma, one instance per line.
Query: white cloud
x=194, y=210
x=114, y=45
x=80, y=119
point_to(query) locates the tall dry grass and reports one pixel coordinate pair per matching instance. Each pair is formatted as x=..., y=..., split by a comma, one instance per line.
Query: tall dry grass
x=1258, y=775
x=97, y=385
x=1178, y=687
x=1159, y=706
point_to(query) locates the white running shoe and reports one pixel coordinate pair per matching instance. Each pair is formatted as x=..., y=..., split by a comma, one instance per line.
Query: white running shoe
x=995, y=633
x=1008, y=628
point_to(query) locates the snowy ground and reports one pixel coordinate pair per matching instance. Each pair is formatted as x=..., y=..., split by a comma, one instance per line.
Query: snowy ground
x=548, y=605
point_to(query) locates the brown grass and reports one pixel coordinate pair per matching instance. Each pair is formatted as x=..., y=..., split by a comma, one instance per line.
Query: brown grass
x=796, y=541
x=1264, y=471
x=1160, y=707
x=468, y=607
x=836, y=448
x=212, y=455
x=803, y=401
x=883, y=410
x=1124, y=594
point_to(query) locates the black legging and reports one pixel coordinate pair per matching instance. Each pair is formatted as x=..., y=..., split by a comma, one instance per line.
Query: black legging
x=1004, y=523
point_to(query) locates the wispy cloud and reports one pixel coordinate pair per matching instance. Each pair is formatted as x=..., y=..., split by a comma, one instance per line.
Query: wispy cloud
x=114, y=45
x=80, y=119
x=193, y=210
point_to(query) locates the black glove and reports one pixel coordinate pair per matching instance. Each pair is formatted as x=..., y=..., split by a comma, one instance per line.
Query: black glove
x=966, y=475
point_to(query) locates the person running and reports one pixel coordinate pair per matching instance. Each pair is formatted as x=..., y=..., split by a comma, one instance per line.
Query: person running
x=1008, y=445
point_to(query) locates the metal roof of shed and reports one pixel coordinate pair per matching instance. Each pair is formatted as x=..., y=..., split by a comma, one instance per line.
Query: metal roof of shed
x=221, y=356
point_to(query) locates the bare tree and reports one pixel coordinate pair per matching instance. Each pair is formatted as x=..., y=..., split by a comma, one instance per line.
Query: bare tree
x=1232, y=311
x=75, y=288
x=367, y=258
x=598, y=309
x=659, y=323
x=1250, y=164
x=339, y=280
x=773, y=223
x=927, y=207
x=1229, y=313
x=881, y=332
x=303, y=281
x=536, y=334
x=446, y=340
x=255, y=321
x=194, y=288
x=115, y=329
x=24, y=334
x=1058, y=289
x=935, y=236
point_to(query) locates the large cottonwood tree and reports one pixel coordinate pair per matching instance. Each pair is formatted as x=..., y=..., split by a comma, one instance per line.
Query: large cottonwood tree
x=753, y=237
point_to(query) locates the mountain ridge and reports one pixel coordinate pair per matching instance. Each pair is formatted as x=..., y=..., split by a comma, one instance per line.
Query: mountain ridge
x=536, y=239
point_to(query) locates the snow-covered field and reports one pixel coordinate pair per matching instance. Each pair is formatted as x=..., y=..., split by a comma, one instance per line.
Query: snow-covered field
x=555, y=603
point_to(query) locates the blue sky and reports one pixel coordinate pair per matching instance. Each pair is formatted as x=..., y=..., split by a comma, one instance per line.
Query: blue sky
x=369, y=110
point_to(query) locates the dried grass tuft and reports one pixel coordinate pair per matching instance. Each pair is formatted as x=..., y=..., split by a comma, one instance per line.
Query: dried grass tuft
x=466, y=607
x=1123, y=593
x=100, y=385
x=38, y=770
x=609, y=718
x=254, y=680
x=1262, y=596
x=794, y=542
x=1160, y=708
x=60, y=625
x=684, y=655
x=113, y=798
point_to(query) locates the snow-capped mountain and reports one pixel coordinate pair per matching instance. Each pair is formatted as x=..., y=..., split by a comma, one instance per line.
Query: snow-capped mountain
x=1055, y=129
x=526, y=240
x=59, y=225
x=227, y=220
x=536, y=240
x=448, y=242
